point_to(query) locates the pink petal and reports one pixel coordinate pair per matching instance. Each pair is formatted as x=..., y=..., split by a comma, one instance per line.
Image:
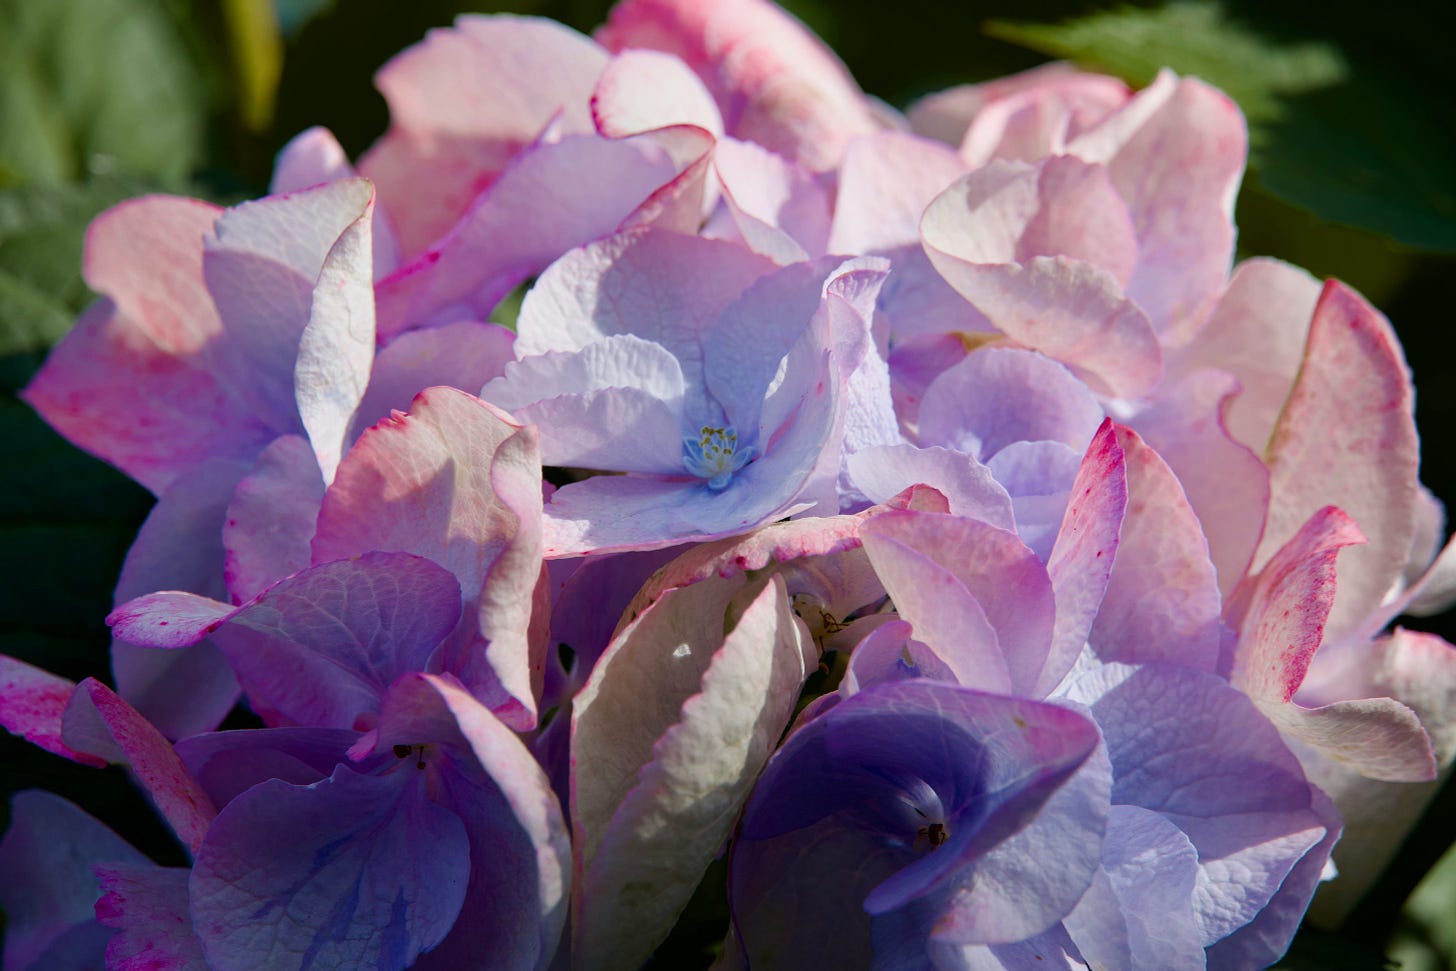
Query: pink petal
x=144, y=380
x=1082, y=558
x=1225, y=482
x=775, y=82
x=148, y=905
x=641, y=90
x=1281, y=613
x=1162, y=601
x=1257, y=333
x=462, y=103
x=779, y=209
x=99, y=722
x=886, y=181
x=1347, y=437
x=459, y=482
x=509, y=233
x=31, y=704
x=1176, y=153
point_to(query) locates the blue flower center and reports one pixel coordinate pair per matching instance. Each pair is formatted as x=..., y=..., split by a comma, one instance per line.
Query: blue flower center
x=714, y=455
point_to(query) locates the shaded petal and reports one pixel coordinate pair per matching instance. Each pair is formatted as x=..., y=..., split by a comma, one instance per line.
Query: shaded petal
x=925, y=562
x=681, y=780
x=47, y=888
x=778, y=208
x=271, y=517
x=355, y=871
x=180, y=547
x=321, y=647
x=520, y=854
x=148, y=905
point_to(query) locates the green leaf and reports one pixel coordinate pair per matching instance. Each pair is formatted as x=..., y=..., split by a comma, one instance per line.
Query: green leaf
x=1426, y=938
x=91, y=85
x=1350, y=140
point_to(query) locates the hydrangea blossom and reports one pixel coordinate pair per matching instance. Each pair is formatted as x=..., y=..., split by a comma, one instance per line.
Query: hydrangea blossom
x=936, y=528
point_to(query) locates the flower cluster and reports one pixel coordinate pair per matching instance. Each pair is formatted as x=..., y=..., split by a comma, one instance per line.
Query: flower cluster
x=919, y=511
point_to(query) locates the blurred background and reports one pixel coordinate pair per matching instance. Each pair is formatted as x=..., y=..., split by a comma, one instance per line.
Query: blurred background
x=1352, y=115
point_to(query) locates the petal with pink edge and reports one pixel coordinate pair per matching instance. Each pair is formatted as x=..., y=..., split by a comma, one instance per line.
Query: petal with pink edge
x=100, y=723
x=1082, y=557
x=32, y=702
x=729, y=695
x=1162, y=601
x=1281, y=613
x=1347, y=437
x=148, y=905
x=458, y=482
x=146, y=380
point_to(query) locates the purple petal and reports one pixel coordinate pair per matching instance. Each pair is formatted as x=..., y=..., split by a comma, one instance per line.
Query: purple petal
x=271, y=517
x=353, y=871
x=46, y=885
x=180, y=547
x=997, y=396
x=321, y=647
